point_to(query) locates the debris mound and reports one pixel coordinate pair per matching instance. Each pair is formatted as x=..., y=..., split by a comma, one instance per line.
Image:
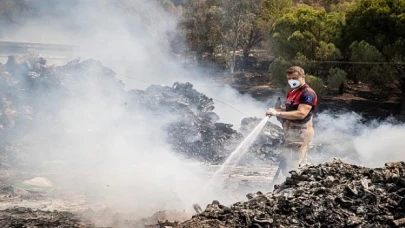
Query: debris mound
x=332, y=194
x=26, y=217
x=193, y=128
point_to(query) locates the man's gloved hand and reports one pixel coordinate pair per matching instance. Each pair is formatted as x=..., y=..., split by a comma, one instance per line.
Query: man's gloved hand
x=272, y=112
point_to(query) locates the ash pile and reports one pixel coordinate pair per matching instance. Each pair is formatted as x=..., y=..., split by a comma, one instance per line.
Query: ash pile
x=332, y=194
x=194, y=129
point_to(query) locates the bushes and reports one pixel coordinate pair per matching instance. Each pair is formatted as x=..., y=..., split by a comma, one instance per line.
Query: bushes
x=277, y=71
x=316, y=83
x=335, y=78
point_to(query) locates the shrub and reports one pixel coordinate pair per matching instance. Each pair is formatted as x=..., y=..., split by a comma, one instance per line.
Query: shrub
x=335, y=78
x=316, y=83
x=277, y=71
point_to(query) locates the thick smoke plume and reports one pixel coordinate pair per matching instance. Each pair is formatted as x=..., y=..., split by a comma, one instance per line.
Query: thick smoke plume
x=370, y=143
x=121, y=157
x=91, y=141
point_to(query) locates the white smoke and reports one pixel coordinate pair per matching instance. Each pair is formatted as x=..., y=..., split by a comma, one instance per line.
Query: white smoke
x=371, y=143
x=97, y=140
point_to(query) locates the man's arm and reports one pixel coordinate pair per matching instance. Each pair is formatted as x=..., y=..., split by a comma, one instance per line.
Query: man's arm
x=306, y=103
x=299, y=114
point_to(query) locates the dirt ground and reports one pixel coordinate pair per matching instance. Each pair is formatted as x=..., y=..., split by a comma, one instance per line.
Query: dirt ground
x=42, y=202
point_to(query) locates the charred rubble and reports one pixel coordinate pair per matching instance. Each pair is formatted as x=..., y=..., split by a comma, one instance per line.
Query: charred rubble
x=332, y=194
x=26, y=217
x=194, y=129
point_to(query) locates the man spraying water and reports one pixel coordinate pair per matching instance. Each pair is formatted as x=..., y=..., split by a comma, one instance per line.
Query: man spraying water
x=296, y=119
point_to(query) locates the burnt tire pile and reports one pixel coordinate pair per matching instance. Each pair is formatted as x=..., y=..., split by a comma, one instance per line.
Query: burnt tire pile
x=333, y=194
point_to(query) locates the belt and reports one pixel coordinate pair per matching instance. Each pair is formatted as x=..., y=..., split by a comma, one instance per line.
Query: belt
x=298, y=127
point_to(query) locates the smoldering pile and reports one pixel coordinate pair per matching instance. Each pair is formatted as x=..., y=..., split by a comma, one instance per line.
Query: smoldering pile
x=333, y=194
x=26, y=217
x=195, y=130
x=27, y=82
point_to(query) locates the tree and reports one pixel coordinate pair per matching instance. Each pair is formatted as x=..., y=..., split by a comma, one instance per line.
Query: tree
x=327, y=5
x=376, y=27
x=277, y=71
x=200, y=24
x=336, y=79
x=238, y=23
x=264, y=17
x=316, y=83
x=364, y=52
x=303, y=30
x=308, y=36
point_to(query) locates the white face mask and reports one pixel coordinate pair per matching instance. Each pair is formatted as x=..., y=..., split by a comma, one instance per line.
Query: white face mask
x=294, y=83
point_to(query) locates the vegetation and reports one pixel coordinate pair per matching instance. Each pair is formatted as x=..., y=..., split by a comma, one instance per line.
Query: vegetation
x=334, y=40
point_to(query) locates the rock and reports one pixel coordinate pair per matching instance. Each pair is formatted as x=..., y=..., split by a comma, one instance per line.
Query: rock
x=41, y=182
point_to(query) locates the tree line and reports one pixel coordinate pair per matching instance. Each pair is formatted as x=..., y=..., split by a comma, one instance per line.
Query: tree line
x=334, y=40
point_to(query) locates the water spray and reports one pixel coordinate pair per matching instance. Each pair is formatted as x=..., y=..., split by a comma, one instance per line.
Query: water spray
x=241, y=150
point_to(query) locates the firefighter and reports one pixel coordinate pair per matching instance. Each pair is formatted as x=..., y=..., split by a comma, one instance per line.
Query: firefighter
x=296, y=118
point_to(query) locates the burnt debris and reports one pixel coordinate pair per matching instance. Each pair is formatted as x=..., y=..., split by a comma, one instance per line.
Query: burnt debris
x=333, y=194
x=26, y=217
x=32, y=92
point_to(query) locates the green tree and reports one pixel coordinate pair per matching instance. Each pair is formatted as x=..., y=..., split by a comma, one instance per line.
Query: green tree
x=277, y=71
x=308, y=37
x=328, y=5
x=336, y=79
x=316, y=83
x=376, y=27
x=363, y=52
x=307, y=31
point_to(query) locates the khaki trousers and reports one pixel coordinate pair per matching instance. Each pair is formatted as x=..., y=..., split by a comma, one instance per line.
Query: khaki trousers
x=296, y=143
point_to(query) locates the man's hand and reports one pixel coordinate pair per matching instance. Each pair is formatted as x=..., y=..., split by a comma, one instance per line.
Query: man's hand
x=272, y=112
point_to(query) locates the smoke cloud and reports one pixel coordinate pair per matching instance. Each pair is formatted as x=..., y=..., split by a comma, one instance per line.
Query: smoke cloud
x=350, y=136
x=91, y=141
x=121, y=157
